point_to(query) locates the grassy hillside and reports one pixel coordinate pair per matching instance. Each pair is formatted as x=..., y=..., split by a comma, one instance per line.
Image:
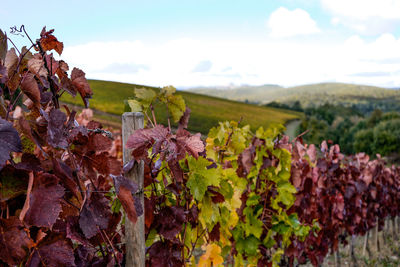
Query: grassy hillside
x=206, y=111
x=241, y=93
x=364, y=97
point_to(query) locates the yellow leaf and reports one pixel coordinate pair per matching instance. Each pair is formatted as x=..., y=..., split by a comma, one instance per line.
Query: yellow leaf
x=212, y=256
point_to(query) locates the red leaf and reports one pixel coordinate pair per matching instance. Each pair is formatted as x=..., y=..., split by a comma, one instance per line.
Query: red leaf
x=165, y=253
x=214, y=234
x=149, y=206
x=176, y=170
x=143, y=139
x=128, y=203
x=9, y=141
x=95, y=215
x=36, y=66
x=14, y=241
x=81, y=85
x=30, y=87
x=29, y=162
x=56, y=130
x=45, y=204
x=52, y=64
x=194, y=145
x=184, y=121
x=99, y=143
x=11, y=63
x=58, y=253
x=48, y=41
x=3, y=74
x=170, y=220
x=125, y=189
x=246, y=159
x=64, y=173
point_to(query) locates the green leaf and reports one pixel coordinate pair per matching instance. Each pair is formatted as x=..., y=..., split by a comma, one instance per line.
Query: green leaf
x=200, y=177
x=286, y=186
x=251, y=245
x=146, y=96
x=253, y=199
x=281, y=228
x=135, y=105
x=168, y=90
x=269, y=240
x=151, y=237
x=209, y=212
x=197, y=185
x=226, y=189
x=253, y=226
x=286, y=198
x=176, y=106
x=276, y=257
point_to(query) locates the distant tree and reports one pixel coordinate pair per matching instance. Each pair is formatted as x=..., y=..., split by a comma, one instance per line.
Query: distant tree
x=387, y=137
x=374, y=118
x=364, y=141
x=297, y=106
x=318, y=130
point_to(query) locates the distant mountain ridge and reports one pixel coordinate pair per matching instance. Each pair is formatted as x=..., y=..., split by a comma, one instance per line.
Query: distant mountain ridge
x=365, y=97
x=238, y=93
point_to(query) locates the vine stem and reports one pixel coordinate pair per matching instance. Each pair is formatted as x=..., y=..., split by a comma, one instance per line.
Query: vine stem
x=184, y=233
x=195, y=242
x=27, y=200
x=16, y=48
x=112, y=246
x=13, y=104
x=154, y=115
x=148, y=118
x=20, y=60
x=169, y=121
x=76, y=171
x=52, y=87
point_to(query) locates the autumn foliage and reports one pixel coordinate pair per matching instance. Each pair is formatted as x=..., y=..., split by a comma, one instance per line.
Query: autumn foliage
x=59, y=179
x=237, y=196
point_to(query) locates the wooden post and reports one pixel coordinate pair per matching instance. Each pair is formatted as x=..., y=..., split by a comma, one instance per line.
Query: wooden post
x=352, y=254
x=377, y=245
x=337, y=258
x=134, y=233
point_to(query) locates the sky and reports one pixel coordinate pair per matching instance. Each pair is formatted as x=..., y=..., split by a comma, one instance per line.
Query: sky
x=190, y=43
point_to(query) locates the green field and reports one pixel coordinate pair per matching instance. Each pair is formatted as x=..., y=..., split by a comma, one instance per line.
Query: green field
x=207, y=111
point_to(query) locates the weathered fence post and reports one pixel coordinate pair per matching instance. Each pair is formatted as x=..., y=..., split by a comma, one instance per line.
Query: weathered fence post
x=134, y=233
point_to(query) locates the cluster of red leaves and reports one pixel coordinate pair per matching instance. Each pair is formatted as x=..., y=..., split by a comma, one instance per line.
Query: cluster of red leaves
x=346, y=195
x=55, y=174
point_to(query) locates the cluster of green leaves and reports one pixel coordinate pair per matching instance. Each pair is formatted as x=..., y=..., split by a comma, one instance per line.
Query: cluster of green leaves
x=146, y=97
x=229, y=196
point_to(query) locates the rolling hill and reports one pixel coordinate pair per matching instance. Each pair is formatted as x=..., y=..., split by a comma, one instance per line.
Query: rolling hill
x=366, y=98
x=207, y=111
x=240, y=93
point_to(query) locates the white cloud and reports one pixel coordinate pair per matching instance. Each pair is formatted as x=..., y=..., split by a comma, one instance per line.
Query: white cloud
x=286, y=23
x=277, y=61
x=364, y=9
x=365, y=16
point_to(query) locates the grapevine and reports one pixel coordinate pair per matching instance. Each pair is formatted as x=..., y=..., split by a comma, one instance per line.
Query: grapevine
x=56, y=175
